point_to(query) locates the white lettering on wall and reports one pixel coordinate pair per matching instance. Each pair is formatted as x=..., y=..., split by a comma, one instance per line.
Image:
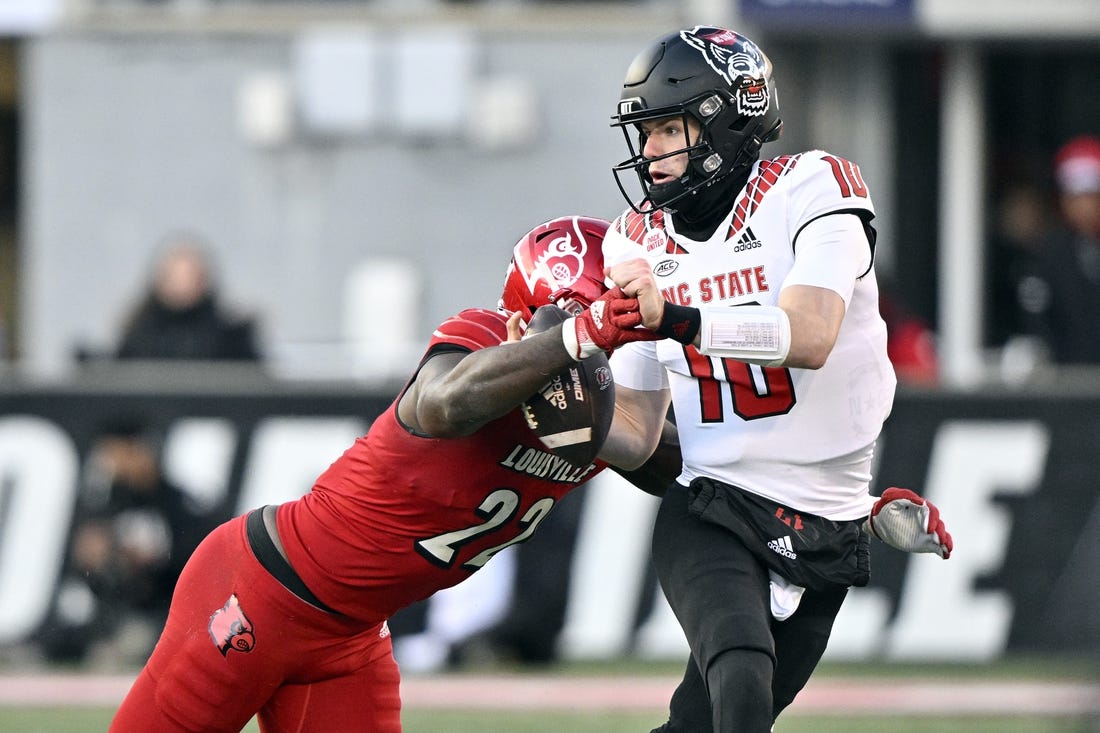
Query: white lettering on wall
x=942, y=616
x=198, y=457
x=38, y=480
x=288, y=453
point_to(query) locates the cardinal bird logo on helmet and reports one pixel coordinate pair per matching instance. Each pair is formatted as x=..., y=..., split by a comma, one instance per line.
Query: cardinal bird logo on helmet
x=231, y=629
x=562, y=262
x=559, y=262
x=744, y=68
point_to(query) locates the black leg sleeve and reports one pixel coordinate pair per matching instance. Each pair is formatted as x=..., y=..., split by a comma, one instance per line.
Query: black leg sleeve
x=800, y=642
x=740, y=685
x=689, y=711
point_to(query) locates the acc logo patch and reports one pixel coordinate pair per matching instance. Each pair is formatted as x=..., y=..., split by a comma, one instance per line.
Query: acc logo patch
x=231, y=629
x=665, y=268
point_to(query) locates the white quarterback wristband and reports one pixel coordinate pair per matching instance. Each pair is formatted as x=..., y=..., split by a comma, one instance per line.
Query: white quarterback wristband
x=758, y=334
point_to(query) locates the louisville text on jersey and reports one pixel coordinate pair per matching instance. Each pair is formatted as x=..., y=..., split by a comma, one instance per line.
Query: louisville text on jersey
x=540, y=464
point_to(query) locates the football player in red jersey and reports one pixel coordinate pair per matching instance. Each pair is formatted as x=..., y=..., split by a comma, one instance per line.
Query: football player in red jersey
x=760, y=274
x=282, y=612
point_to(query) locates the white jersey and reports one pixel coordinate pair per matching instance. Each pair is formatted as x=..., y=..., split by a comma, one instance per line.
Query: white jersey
x=803, y=438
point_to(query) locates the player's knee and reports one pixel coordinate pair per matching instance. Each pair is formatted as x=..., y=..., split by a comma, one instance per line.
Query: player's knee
x=740, y=685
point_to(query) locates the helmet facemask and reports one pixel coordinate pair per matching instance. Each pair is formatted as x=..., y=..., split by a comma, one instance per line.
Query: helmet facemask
x=718, y=79
x=705, y=164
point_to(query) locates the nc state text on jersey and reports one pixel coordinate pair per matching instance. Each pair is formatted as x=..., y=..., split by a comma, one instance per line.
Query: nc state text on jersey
x=723, y=286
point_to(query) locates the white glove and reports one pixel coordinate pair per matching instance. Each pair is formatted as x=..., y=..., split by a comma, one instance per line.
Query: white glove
x=909, y=523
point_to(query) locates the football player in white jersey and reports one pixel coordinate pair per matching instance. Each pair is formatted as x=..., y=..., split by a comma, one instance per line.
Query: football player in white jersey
x=760, y=275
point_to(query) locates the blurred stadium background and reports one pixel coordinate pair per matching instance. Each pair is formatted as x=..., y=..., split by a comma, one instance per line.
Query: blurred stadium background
x=362, y=168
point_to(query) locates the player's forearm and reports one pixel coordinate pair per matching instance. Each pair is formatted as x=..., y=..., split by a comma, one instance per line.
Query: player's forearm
x=812, y=341
x=815, y=316
x=656, y=474
x=637, y=428
x=489, y=383
x=625, y=450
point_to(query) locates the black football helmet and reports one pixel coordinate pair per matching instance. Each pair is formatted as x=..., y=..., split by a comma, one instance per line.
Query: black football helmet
x=714, y=75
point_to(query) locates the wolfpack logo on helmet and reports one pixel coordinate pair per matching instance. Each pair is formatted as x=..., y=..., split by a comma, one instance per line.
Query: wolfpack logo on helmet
x=744, y=70
x=231, y=629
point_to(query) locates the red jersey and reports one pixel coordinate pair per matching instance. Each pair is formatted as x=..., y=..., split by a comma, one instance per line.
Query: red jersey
x=400, y=516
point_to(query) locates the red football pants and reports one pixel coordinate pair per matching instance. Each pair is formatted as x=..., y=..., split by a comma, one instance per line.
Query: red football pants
x=237, y=644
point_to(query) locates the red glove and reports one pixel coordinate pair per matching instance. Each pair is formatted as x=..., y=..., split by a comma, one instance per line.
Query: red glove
x=611, y=321
x=907, y=522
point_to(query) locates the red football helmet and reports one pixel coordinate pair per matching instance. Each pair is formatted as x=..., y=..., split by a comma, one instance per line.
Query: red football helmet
x=559, y=262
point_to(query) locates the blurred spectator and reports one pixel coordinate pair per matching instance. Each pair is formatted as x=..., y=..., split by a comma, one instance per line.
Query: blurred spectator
x=133, y=530
x=910, y=341
x=1059, y=293
x=1020, y=218
x=182, y=317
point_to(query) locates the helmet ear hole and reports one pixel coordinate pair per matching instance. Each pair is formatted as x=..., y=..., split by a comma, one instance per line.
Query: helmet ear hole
x=741, y=124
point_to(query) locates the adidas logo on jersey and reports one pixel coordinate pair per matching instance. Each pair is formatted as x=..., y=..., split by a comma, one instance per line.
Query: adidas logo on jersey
x=782, y=546
x=747, y=241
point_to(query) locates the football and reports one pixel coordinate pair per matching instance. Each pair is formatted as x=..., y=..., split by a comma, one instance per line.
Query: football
x=571, y=414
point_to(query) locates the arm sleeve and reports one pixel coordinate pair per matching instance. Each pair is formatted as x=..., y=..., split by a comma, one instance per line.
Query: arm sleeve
x=831, y=252
x=617, y=247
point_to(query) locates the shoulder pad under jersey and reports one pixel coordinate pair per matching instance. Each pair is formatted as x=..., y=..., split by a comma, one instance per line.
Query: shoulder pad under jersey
x=473, y=329
x=824, y=183
x=764, y=177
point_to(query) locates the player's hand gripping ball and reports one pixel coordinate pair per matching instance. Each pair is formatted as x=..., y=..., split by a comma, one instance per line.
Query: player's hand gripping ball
x=571, y=414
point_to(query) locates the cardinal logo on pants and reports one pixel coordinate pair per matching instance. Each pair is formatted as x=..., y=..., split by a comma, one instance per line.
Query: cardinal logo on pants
x=230, y=628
